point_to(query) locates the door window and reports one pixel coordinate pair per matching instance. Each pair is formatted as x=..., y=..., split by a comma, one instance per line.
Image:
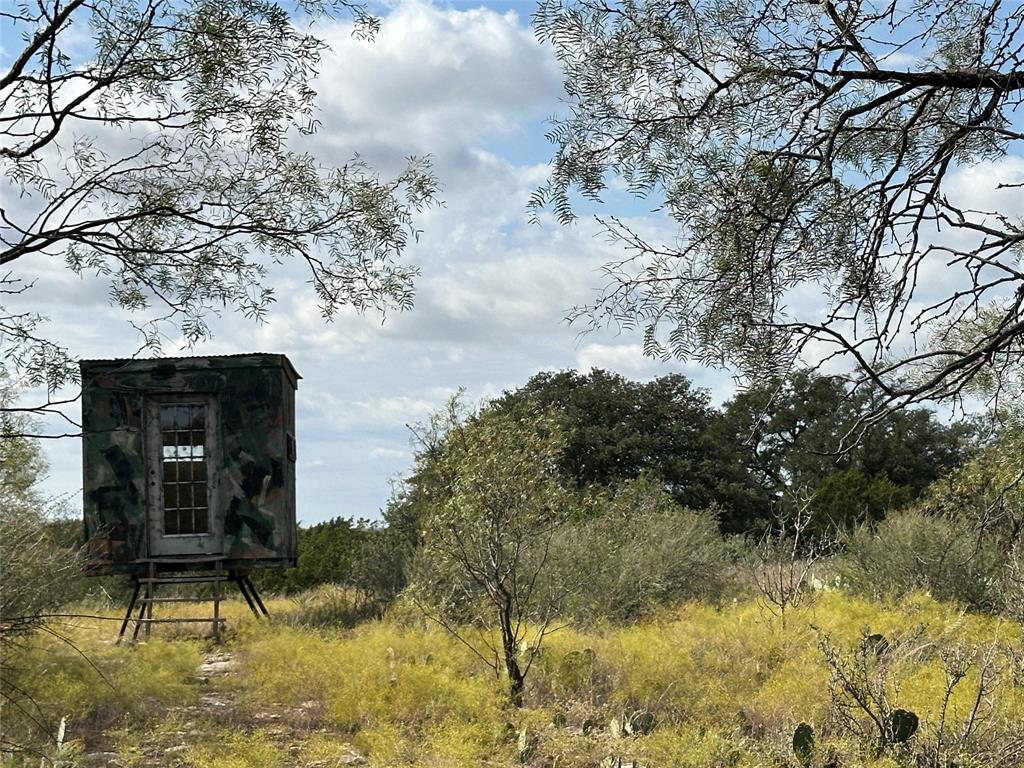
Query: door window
x=184, y=468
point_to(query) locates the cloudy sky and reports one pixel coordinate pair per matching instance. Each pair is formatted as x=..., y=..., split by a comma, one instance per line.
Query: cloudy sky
x=472, y=87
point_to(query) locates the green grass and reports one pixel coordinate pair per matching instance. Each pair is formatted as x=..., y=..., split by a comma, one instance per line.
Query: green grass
x=726, y=686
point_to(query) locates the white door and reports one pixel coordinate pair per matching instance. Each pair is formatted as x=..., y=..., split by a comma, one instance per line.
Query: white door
x=181, y=442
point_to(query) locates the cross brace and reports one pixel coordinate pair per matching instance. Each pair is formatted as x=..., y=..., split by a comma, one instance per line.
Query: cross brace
x=161, y=571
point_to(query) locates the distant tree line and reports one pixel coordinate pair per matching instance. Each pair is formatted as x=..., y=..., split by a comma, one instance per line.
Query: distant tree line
x=742, y=464
x=743, y=458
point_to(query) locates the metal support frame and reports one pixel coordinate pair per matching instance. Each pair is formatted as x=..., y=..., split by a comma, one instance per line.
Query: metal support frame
x=215, y=575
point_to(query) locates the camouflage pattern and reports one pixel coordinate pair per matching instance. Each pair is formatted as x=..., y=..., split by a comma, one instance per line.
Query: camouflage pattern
x=255, y=496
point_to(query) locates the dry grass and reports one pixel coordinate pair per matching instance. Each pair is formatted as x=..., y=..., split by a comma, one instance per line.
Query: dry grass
x=726, y=687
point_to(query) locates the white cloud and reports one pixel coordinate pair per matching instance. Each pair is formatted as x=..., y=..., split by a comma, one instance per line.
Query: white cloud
x=390, y=453
x=627, y=359
x=392, y=409
x=435, y=80
x=985, y=186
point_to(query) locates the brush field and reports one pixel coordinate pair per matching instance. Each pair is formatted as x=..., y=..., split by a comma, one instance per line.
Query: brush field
x=695, y=686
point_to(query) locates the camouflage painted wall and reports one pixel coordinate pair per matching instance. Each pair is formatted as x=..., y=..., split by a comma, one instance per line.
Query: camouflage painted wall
x=253, y=499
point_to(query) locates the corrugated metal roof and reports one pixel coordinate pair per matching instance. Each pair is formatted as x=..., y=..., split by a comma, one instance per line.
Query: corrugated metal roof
x=178, y=357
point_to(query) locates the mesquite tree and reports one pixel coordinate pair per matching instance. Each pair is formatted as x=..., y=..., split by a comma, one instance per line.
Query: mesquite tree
x=36, y=572
x=150, y=142
x=810, y=156
x=483, y=570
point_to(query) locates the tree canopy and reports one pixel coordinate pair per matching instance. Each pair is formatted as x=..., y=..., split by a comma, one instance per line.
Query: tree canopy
x=617, y=429
x=788, y=432
x=743, y=459
x=792, y=429
x=151, y=143
x=808, y=155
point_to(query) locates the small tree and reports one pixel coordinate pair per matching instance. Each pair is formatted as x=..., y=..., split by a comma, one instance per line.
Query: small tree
x=785, y=557
x=486, y=545
x=35, y=571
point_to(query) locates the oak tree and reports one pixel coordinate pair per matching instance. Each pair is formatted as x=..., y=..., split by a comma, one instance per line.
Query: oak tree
x=665, y=429
x=787, y=433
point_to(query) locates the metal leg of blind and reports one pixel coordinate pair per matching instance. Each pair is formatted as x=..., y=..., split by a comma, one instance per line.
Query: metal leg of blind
x=216, y=603
x=150, y=589
x=129, y=612
x=240, y=581
x=256, y=596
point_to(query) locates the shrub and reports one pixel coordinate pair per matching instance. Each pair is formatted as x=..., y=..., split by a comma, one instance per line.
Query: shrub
x=639, y=550
x=986, y=495
x=926, y=700
x=985, y=498
x=327, y=605
x=36, y=571
x=783, y=562
x=911, y=551
x=326, y=551
x=379, y=570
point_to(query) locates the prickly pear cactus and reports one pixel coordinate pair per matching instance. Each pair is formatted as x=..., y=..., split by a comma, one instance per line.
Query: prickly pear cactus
x=902, y=725
x=640, y=723
x=803, y=743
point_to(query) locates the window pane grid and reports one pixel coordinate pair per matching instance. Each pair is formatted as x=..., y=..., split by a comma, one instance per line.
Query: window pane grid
x=183, y=436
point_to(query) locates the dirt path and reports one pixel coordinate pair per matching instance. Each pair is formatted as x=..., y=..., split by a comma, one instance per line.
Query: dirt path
x=182, y=728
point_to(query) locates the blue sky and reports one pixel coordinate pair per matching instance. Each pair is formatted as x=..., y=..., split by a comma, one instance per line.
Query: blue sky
x=471, y=86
